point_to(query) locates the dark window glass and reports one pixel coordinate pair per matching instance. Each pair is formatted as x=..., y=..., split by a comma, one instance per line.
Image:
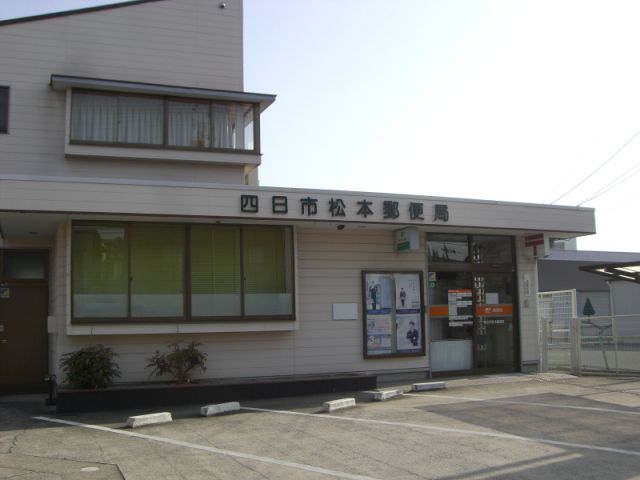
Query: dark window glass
x=24, y=265
x=487, y=249
x=4, y=109
x=447, y=248
x=494, y=288
x=451, y=310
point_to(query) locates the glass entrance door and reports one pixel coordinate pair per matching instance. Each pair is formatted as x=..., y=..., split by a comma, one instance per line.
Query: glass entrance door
x=471, y=285
x=493, y=331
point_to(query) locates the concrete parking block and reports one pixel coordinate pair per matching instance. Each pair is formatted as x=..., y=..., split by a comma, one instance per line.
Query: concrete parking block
x=220, y=408
x=149, y=419
x=333, y=405
x=424, y=387
x=382, y=395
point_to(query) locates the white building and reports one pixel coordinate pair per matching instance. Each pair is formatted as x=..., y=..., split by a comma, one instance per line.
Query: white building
x=130, y=216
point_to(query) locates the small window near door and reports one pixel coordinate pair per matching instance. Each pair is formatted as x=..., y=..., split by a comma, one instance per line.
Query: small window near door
x=444, y=248
x=4, y=109
x=489, y=249
x=24, y=265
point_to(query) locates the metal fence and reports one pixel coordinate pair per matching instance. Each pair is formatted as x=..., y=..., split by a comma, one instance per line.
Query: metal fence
x=592, y=344
x=607, y=344
x=555, y=311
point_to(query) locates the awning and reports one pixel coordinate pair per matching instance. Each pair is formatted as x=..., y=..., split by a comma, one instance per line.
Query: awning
x=628, y=271
x=62, y=82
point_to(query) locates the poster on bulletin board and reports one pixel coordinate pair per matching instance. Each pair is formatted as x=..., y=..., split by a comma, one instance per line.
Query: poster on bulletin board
x=393, y=314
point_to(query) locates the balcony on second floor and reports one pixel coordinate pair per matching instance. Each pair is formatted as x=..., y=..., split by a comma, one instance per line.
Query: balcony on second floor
x=138, y=121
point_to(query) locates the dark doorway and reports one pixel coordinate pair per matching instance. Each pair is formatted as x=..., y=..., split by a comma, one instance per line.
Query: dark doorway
x=23, y=321
x=472, y=303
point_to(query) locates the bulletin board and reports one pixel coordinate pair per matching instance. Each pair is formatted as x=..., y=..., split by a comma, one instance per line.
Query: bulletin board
x=393, y=313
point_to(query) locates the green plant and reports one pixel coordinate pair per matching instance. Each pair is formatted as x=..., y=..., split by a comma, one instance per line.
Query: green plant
x=179, y=362
x=90, y=367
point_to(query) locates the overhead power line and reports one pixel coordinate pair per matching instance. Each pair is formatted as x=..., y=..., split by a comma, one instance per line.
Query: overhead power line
x=614, y=183
x=597, y=169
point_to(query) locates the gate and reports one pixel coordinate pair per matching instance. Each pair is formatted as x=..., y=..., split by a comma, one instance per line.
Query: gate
x=607, y=344
x=555, y=311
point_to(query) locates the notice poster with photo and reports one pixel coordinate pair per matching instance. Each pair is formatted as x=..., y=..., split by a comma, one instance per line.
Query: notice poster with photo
x=408, y=298
x=379, y=334
x=392, y=304
x=378, y=294
x=409, y=332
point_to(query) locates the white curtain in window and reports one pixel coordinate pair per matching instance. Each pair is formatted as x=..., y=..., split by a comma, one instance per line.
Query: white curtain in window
x=189, y=125
x=140, y=120
x=117, y=119
x=248, y=127
x=239, y=119
x=94, y=117
x=224, y=126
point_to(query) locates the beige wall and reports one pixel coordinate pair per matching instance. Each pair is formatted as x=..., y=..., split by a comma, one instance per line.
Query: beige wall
x=191, y=43
x=329, y=265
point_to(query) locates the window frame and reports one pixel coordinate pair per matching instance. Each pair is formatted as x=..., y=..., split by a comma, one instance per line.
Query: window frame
x=477, y=268
x=5, y=92
x=4, y=279
x=186, y=316
x=164, y=145
x=470, y=265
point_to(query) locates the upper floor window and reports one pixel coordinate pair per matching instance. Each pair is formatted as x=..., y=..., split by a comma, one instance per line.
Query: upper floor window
x=165, y=122
x=4, y=109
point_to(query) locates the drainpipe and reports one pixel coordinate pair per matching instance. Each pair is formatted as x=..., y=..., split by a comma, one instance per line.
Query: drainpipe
x=614, y=329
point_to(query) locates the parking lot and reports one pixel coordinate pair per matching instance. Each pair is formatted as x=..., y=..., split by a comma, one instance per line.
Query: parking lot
x=517, y=426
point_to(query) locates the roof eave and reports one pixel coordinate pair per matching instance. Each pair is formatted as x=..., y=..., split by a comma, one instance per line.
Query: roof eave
x=62, y=82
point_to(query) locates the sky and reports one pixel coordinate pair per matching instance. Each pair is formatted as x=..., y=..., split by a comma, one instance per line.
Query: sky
x=489, y=99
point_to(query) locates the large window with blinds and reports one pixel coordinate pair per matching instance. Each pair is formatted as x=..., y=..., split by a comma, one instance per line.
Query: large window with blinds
x=142, y=272
x=215, y=271
x=267, y=261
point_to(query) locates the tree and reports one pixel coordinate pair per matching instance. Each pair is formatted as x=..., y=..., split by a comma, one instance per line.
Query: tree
x=588, y=309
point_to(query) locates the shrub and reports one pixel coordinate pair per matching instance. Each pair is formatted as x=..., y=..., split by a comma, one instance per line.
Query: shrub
x=179, y=362
x=90, y=367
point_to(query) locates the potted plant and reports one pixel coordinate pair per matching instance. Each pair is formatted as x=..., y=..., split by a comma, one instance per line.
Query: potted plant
x=179, y=362
x=90, y=367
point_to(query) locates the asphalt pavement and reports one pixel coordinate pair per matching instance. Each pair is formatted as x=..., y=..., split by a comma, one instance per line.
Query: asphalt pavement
x=506, y=426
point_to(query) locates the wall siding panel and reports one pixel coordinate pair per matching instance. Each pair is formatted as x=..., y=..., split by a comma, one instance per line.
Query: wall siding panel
x=190, y=43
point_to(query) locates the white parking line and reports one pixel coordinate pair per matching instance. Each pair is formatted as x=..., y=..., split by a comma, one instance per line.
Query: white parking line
x=505, y=436
x=531, y=404
x=229, y=453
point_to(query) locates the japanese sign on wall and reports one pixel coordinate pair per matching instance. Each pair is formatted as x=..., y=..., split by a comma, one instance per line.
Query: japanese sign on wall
x=337, y=208
x=393, y=314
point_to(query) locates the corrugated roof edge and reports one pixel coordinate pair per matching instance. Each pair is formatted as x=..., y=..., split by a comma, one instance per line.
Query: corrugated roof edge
x=79, y=11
